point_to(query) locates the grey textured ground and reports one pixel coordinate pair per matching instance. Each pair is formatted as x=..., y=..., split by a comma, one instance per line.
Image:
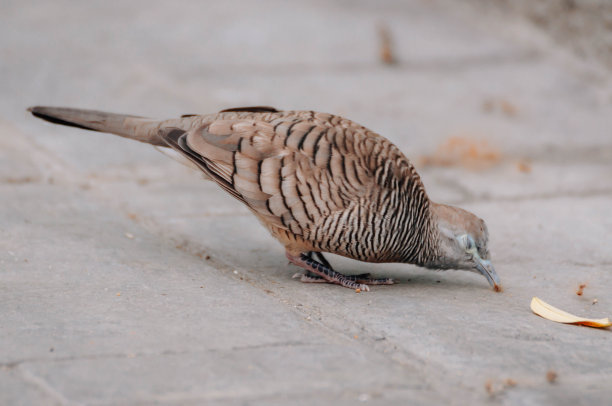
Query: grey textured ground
x=125, y=279
x=584, y=26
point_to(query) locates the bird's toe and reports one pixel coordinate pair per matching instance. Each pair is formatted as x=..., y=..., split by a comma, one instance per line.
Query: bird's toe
x=383, y=281
x=312, y=279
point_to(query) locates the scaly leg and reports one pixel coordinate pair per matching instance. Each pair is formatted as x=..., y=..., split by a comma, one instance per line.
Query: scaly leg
x=322, y=271
x=365, y=278
x=310, y=277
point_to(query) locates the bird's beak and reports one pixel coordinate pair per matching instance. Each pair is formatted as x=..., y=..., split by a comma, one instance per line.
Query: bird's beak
x=486, y=269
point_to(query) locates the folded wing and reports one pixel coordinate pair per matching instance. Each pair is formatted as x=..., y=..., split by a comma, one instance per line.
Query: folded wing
x=291, y=172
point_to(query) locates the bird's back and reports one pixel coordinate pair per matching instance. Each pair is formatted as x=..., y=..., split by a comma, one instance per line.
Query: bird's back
x=317, y=181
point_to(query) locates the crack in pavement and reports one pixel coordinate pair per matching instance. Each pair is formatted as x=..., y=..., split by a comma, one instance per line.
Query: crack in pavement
x=44, y=387
x=357, y=394
x=86, y=357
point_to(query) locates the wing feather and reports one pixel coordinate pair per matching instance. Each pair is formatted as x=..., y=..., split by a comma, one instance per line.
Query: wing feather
x=290, y=170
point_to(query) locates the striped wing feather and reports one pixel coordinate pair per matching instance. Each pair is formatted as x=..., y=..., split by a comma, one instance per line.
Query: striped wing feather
x=292, y=173
x=317, y=181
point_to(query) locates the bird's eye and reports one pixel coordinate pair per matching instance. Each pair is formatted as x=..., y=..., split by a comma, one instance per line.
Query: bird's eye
x=468, y=242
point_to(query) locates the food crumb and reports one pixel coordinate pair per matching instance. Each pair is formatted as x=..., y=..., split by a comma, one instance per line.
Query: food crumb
x=489, y=387
x=551, y=376
x=508, y=108
x=580, y=290
x=355, y=336
x=491, y=104
x=129, y=235
x=386, y=45
x=118, y=293
x=510, y=382
x=357, y=290
x=207, y=257
x=595, y=301
x=523, y=166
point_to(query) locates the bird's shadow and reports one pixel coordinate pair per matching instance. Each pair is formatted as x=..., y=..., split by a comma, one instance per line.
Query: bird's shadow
x=405, y=276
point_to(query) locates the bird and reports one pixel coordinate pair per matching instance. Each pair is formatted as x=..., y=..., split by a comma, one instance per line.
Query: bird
x=318, y=182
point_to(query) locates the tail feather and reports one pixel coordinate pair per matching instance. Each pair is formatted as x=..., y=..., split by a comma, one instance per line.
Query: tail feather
x=134, y=127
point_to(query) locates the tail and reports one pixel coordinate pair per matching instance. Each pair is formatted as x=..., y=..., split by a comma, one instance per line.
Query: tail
x=133, y=127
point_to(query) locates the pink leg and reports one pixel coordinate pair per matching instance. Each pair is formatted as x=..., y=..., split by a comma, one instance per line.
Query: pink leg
x=323, y=272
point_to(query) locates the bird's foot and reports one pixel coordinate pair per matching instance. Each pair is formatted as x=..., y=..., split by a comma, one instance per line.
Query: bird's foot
x=364, y=278
x=367, y=278
x=318, y=272
x=309, y=278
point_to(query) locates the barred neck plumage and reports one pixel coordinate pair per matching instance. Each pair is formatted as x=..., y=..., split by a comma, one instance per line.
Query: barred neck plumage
x=410, y=228
x=418, y=233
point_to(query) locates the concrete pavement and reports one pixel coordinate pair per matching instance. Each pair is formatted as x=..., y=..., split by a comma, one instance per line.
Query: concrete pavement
x=126, y=279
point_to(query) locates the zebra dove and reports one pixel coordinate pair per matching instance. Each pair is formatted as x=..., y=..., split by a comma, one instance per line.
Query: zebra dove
x=318, y=183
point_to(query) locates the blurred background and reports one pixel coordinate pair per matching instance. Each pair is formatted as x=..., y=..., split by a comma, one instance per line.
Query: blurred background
x=474, y=83
x=121, y=281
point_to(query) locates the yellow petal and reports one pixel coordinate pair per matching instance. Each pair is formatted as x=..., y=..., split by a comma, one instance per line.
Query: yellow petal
x=549, y=312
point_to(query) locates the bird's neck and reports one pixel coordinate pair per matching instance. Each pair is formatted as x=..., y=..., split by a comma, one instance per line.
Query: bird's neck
x=434, y=256
x=420, y=235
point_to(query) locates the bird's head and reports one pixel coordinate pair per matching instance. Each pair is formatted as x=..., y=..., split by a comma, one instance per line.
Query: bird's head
x=462, y=242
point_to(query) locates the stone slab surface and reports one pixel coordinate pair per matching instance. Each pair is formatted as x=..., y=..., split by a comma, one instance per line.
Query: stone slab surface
x=126, y=279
